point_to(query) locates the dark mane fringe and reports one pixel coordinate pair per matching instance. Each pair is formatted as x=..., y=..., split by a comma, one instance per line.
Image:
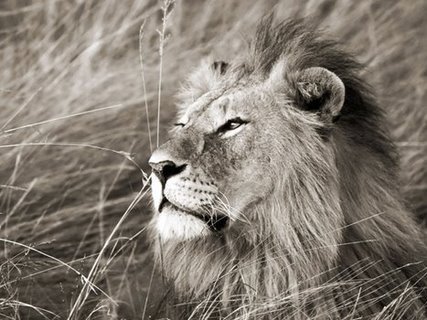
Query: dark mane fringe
x=300, y=43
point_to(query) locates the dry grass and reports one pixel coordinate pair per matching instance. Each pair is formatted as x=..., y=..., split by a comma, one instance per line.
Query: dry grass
x=74, y=132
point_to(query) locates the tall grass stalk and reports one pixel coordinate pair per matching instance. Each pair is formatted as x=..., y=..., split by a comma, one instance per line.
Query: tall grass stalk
x=162, y=40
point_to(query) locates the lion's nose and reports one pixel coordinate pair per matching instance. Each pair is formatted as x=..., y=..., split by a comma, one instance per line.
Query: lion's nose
x=165, y=168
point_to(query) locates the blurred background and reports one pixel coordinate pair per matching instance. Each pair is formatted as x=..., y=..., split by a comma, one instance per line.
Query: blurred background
x=86, y=89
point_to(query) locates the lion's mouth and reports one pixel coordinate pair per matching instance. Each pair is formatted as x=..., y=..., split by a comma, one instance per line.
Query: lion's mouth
x=215, y=222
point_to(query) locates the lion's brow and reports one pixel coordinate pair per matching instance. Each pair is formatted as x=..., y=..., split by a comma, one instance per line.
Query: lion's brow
x=206, y=100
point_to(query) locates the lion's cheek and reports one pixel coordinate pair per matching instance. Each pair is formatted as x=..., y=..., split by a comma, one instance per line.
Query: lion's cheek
x=243, y=194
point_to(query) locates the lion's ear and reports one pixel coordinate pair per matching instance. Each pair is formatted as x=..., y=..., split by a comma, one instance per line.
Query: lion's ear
x=220, y=67
x=322, y=91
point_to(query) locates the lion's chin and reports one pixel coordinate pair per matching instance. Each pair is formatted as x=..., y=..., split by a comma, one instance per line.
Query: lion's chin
x=179, y=225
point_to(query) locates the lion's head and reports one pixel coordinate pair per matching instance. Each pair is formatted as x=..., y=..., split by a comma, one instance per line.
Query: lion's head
x=275, y=161
x=237, y=143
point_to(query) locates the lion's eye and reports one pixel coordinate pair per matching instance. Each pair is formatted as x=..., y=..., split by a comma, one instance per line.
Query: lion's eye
x=231, y=124
x=179, y=124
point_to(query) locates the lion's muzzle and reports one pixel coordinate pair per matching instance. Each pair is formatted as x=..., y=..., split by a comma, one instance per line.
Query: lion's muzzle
x=183, y=195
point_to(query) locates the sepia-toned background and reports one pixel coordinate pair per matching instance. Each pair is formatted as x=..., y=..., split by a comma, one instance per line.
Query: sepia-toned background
x=77, y=78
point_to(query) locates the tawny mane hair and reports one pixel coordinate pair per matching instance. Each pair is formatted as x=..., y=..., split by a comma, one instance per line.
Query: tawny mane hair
x=333, y=241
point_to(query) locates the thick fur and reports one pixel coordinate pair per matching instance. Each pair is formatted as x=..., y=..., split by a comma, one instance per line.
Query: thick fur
x=332, y=239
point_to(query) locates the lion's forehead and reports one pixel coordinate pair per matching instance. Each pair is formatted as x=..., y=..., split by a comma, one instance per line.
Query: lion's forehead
x=218, y=105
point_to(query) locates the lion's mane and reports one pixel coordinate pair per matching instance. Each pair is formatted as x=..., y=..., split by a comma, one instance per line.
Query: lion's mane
x=366, y=259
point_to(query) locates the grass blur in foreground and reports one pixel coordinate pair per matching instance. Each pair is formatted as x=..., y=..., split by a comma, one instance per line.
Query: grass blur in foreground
x=87, y=92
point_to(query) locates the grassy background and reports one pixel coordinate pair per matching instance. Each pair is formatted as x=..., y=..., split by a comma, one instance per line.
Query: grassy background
x=74, y=138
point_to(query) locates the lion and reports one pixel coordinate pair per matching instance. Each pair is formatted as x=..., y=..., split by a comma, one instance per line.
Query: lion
x=277, y=195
